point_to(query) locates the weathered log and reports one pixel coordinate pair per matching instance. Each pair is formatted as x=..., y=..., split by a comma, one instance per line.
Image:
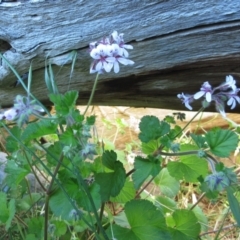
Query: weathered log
x=177, y=44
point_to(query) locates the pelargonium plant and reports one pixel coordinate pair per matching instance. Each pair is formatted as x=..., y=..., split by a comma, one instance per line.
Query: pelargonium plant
x=225, y=92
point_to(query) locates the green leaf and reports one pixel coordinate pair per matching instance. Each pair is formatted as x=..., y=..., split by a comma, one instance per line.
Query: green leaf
x=168, y=185
x=234, y=205
x=109, y=159
x=190, y=167
x=64, y=103
x=15, y=173
x=111, y=183
x=4, y=213
x=55, y=151
x=145, y=220
x=91, y=120
x=31, y=237
x=169, y=119
x=68, y=138
x=144, y=167
x=168, y=205
x=127, y=193
x=35, y=226
x=199, y=140
x=12, y=144
x=186, y=225
x=151, y=128
x=11, y=212
x=39, y=129
x=85, y=203
x=60, y=205
x=27, y=201
x=150, y=147
x=202, y=219
x=222, y=142
x=60, y=228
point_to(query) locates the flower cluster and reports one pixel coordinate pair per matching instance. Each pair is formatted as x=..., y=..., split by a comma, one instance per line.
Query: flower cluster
x=23, y=107
x=108, y=53
x=226, y=92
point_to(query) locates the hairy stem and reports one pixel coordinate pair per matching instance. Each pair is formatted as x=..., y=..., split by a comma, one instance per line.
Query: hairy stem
x=92, y=94
x=48, y=193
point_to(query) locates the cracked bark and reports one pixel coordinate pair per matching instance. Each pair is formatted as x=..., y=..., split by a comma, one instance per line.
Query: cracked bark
x=177, y=46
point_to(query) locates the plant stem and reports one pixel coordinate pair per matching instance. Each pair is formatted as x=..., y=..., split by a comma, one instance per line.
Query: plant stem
x=196, y=203
x=92, y=94
x=101, y=214
x=199, y=111
x=144, y=187
x=48, y=193
x=81, y=182
x=223, y=228
x=130, y=172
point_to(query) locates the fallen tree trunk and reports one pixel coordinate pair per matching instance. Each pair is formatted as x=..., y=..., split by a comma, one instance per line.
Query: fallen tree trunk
x=177, y=46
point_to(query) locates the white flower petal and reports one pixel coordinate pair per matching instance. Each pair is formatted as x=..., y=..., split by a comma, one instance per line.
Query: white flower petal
x=188, y=106
x=110, y=59
x=230, y=101
x=180, y=95
x=124, y=52
x=99, y=66
x=95, y=54
x=198, y=94
x=208, y=97
x=116, y=67
x=115, y=35
x=10, y=114
x=238, y=99
x=127, y=46
x=107, y=66
x=125, y=61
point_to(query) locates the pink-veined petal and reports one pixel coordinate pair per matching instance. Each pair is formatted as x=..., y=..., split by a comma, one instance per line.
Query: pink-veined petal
x=95, y=54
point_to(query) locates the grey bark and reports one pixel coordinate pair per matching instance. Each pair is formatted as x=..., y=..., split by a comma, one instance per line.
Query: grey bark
x=177, y=44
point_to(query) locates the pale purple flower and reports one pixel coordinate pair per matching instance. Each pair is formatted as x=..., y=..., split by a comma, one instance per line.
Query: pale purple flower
x=224, y=93
x=233, y=98
x=100, y=54
x=23, y=107
x=206, y=90
x=118, y=38
x=186, y=99
x=108, y=53
x=230, y=82
x=10, y=114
